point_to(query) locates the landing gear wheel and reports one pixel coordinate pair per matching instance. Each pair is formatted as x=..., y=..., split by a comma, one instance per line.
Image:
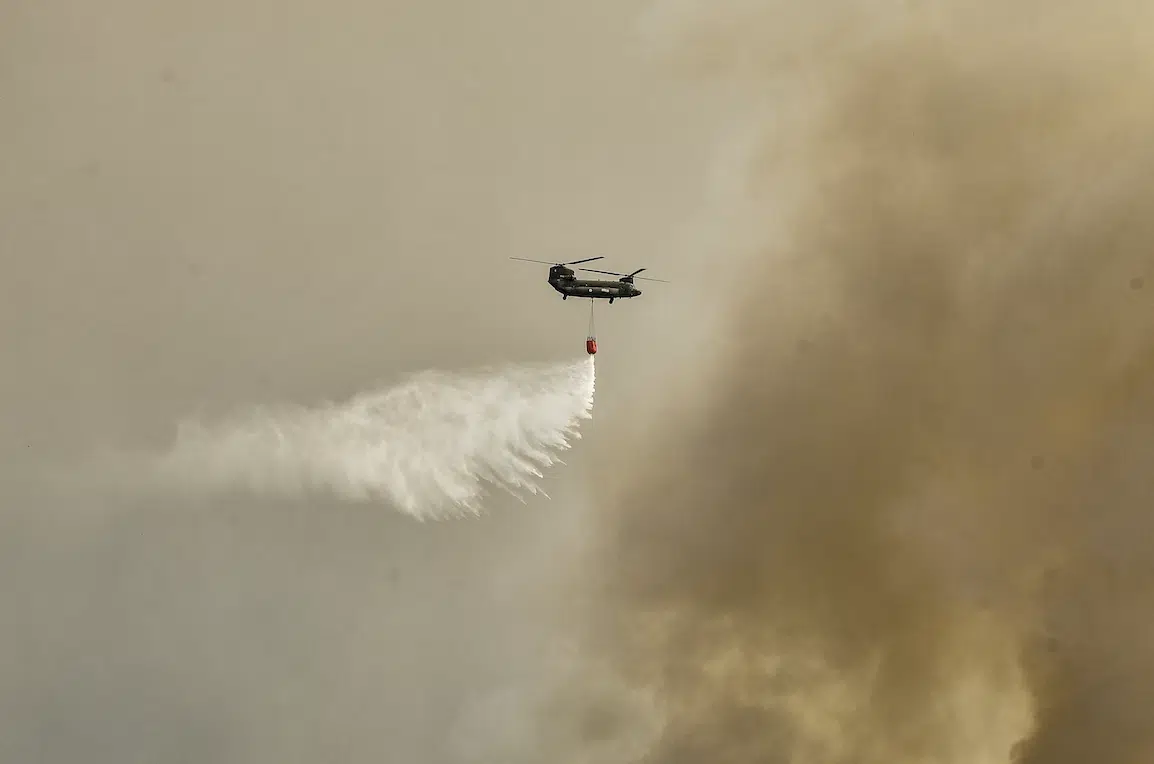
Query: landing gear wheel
x=611, y=300
x=564, y=297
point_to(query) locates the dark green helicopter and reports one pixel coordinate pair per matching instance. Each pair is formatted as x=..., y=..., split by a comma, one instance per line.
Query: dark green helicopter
x=564, y=280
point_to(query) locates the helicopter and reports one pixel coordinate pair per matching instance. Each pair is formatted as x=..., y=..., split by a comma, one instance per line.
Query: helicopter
x=564, y=279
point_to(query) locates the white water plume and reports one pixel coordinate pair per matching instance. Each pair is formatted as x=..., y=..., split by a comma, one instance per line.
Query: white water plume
x=427, y=445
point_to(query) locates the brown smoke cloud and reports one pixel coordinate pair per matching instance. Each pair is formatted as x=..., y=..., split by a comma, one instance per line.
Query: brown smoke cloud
x=909, y=523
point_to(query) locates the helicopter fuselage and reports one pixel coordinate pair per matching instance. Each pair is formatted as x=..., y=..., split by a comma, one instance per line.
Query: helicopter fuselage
x=593, y=290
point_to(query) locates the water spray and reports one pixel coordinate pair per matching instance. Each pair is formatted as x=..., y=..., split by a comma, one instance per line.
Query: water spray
x=429, y=445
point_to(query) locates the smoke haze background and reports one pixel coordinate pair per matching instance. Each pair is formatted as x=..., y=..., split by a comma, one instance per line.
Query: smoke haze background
x=895, y=511
x=907, y=522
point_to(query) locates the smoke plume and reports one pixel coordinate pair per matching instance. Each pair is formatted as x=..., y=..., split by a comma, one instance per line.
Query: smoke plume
x=910, y=522
x=427, y=445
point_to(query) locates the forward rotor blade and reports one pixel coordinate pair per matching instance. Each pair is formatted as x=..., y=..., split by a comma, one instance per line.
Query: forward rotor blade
x=527, y=260
x=546, y=262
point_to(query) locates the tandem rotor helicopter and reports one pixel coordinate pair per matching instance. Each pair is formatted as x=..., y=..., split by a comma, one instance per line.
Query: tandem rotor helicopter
x=563, y=279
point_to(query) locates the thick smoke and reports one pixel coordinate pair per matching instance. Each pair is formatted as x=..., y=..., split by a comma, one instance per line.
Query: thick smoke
x=427, y=445
x=910, y=524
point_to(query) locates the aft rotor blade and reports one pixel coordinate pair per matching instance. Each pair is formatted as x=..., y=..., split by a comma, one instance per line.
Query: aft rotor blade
x=646, y=278
x=624, y=275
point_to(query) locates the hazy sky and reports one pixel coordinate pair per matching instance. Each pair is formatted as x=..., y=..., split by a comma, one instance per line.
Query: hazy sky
x=894, y=507
x=210, y=204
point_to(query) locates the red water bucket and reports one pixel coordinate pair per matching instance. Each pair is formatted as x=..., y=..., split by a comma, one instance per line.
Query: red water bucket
x=591, y=346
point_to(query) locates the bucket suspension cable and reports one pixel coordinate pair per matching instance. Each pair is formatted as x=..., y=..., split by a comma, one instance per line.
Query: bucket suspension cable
x=591, y=340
